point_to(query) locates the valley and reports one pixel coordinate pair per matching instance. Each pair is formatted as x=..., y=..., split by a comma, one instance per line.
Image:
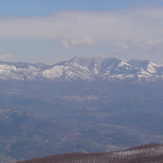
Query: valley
x=46, y=117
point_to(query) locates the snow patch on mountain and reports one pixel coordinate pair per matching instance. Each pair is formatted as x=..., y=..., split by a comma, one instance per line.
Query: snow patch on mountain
x=53, y=73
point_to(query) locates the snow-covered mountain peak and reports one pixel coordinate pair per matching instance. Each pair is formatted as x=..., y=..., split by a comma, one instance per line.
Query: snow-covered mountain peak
x=82, y=68
x=125, y=65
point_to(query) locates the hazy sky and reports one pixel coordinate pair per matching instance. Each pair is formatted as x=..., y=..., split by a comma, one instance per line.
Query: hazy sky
x=53, y=30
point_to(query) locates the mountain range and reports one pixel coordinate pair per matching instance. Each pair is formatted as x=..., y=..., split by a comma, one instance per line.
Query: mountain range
x=80, y=68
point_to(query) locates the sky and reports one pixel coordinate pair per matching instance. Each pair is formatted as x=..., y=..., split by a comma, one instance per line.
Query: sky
x=50, y=31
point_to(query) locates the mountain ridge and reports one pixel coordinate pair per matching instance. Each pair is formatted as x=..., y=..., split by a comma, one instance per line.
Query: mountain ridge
x=82, y=68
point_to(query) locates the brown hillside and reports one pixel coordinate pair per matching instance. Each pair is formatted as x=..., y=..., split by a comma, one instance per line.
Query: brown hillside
x=152, y=153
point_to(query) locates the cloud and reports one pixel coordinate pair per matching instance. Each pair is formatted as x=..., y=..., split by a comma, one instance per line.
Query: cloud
x=103, y=25
x=86, y=41
x=6, y=57
x=148, y=49
x=135, y=45
x=133, y=31
x=65, y=44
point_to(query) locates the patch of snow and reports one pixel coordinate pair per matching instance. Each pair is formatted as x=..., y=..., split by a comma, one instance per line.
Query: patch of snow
x=146, y=152
x=151, y=68
x=53, y=73
x=124, y=64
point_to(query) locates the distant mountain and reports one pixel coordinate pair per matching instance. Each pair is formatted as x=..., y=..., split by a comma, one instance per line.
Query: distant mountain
x=80, y=68
x=20, y=71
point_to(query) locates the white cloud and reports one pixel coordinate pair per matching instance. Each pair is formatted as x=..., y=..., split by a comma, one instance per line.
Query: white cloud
x=131, y=32
x=111, y=25
x=65, y=44
x=135, y=45
x=147, y=49
x=86, y=41
x=6, y=57
x=154, y=42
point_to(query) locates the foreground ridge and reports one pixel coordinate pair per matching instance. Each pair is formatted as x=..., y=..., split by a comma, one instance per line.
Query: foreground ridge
x=80, y=68
x=140, y=154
